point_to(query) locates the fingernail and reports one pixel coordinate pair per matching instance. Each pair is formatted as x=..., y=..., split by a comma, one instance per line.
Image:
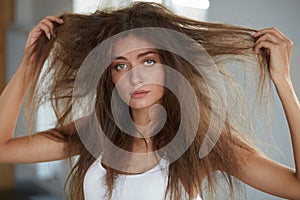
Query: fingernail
x=61, y=21
x=252, y=34
x=49, y=36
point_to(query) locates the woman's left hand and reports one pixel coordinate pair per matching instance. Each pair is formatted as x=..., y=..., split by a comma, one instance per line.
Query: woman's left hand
x=279, y=48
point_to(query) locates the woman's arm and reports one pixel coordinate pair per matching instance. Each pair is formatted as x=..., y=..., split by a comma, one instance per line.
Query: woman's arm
x=30, y=148
x=260, y=172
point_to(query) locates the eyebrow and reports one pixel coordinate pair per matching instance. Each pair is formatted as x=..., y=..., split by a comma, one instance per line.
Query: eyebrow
x=139, y=56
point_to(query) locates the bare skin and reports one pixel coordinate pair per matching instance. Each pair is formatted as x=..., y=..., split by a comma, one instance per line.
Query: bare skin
x=259, y=172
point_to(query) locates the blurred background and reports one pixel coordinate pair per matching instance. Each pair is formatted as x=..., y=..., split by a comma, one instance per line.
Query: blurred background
x=45, y=181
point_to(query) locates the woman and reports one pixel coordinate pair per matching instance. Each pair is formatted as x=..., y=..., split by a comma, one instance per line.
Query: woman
x=137, y=70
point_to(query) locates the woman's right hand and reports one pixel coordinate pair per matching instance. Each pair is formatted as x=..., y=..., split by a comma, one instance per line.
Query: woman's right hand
x=46, y=27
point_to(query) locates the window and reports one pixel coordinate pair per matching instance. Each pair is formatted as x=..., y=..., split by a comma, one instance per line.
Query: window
x=83, y=6
x=201, y=4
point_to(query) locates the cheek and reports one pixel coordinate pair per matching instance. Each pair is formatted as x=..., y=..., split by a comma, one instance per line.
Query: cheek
x=115, y=78
x=160, y=77
x=155, y=75
x=157, y=81
x=161, y=90
x=161, y=81
x=121, y=84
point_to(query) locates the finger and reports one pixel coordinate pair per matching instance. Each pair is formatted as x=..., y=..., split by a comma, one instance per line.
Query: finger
x=49, y=24
x=55, y=19
x=265, y=44
x=269, y=37
x=46, y=29
x=274, y=31
x=49, y=21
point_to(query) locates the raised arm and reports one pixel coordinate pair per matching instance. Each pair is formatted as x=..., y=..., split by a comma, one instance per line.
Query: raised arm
x=37, y=147
x=263, y=173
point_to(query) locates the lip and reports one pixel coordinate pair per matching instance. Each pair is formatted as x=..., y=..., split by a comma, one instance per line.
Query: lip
x=139, y=94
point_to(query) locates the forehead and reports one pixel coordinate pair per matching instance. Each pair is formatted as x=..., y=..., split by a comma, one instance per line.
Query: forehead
x=129, y=44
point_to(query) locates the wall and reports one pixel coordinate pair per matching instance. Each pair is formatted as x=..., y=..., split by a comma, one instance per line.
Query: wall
x=259, y=14
x=32, y=11
x=27, y=14
x=6, y=16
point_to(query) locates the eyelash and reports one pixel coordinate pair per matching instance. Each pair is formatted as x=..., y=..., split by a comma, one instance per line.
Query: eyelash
x=116, y=67
x=152, y=60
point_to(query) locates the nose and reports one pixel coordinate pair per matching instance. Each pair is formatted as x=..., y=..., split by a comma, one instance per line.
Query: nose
x=136, y=76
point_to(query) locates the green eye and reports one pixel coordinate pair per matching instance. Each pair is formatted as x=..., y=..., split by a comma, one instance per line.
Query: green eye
x=149, y=62
x=119, y=67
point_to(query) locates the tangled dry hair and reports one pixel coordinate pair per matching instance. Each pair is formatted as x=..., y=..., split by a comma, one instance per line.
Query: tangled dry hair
x=81, y=33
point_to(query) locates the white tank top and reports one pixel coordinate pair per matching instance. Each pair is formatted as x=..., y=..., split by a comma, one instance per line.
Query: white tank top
x=150, y=185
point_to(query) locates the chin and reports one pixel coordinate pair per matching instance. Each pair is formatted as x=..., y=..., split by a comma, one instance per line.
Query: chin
x=139, y=107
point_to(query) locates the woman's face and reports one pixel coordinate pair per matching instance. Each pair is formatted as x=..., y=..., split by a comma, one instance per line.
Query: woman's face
x=137, y=72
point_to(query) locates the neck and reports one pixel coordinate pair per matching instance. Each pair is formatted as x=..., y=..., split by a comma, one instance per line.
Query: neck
x=141, y=117
x=144, y=124
x=148, y=121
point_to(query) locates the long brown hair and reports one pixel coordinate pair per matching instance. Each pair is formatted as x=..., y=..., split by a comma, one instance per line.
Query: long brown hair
x=76, y=38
